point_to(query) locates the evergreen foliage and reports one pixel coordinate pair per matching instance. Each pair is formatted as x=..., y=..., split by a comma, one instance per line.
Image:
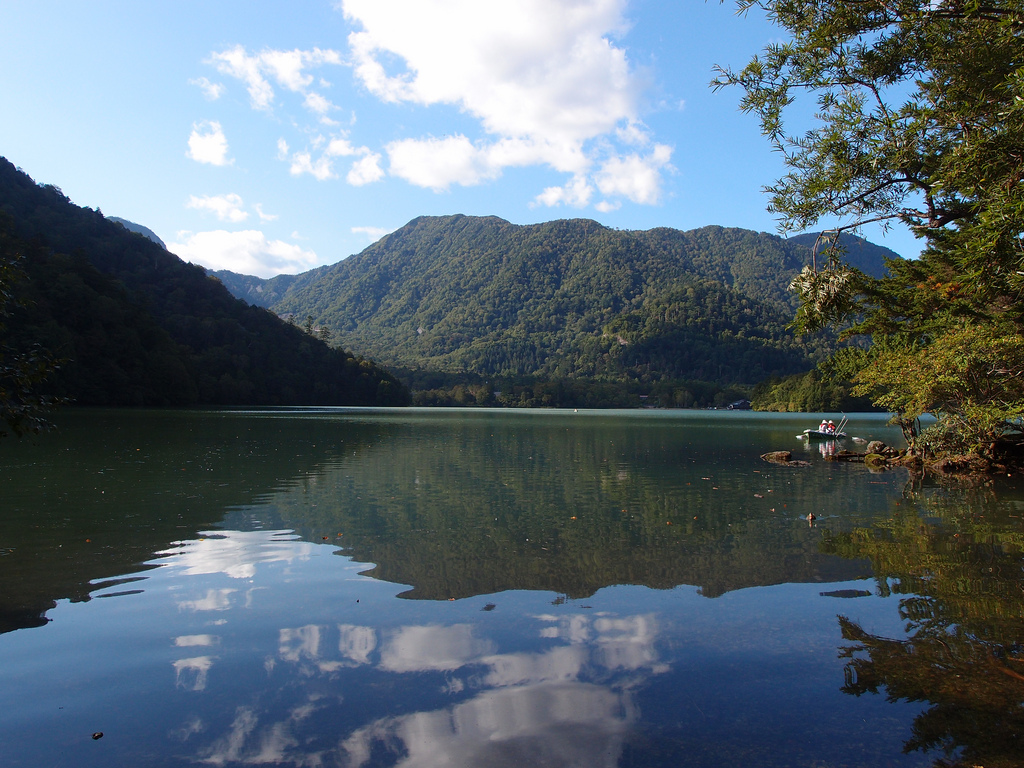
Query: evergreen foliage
x=137, y=326
x=255, y=290
x=920, y=119
x=24, y=370
x=570, y=304
x=804, y=392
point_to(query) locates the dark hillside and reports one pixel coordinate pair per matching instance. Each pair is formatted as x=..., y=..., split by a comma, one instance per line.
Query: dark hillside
x=857, y=252
x=94, y=283
x=131, y=226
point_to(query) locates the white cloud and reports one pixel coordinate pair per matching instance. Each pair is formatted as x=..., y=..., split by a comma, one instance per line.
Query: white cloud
x=237, y=63
x=634, y=134
x=543, y=68
x=342, y=147
x=263, y=216
x=212, y=91
x=607, y=207
x=634, y=177
x=543, y=77
x=207, y=143
x=439, y=163
x=365, y=171
x=286, y=68
x=316, y=103
x=248, y=252
x=576, y=193
x=322, y=168
x=225, y=207
x=546, y=81
x=373, y=233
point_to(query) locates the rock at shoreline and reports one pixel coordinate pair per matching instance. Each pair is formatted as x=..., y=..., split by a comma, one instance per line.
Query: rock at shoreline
x=875, y=460
x=783, y=457
x=845, y=456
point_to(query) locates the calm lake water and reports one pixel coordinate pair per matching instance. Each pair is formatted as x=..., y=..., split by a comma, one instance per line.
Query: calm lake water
x=497, y=588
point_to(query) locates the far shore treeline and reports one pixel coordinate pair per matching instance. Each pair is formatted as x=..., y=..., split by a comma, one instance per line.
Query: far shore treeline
x=97, y=315
x=462, y=311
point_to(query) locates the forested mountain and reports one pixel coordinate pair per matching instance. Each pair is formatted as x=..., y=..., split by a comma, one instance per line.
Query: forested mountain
x=134, y=325
x=567, y=300
x=255, y=290
x=131, y=226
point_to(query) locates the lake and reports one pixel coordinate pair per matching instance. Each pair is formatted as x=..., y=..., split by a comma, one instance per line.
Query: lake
x=321, y=587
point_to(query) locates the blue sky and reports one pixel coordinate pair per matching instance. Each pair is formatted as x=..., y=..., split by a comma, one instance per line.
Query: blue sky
x=270, y=138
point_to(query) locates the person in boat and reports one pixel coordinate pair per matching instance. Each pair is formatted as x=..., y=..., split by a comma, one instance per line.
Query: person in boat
x=831, y=427
x=823, y=427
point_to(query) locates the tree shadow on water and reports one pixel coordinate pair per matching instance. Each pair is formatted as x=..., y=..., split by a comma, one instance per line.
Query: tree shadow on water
x=955, y=558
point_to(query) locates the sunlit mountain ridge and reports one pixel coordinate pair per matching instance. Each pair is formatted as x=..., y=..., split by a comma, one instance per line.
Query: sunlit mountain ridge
x=473, y=298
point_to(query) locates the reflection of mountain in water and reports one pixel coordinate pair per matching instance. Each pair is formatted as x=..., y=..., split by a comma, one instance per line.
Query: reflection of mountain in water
x=99, y=497
x=462, y=509
x=450, y=504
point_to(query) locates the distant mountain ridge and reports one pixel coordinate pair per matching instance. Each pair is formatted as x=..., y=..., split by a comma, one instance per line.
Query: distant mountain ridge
x=262, y=292
x=712, y=252
x=567, y=299
x=131, y=226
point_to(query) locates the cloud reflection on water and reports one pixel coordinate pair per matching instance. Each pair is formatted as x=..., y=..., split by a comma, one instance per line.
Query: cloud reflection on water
x=356, y=643
x=555, y=724
x=569, y=704
x=432, y=648
x=565, y=700
x=190, y=674
x=234, y=553
x=215, y=600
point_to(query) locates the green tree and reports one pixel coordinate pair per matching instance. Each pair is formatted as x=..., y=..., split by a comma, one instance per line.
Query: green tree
x=22, y=405
x=137, y=326
x=919, y=120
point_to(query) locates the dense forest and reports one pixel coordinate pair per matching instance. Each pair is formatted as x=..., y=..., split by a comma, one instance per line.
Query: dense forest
x=127, y=323
x=810, y=391
x=567, y=312
x=919, y=124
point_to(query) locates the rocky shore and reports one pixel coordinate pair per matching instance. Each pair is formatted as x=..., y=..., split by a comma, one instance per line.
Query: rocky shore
x=878, y=456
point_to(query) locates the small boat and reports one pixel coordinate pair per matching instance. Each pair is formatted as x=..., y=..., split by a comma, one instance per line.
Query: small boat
x=817, y=434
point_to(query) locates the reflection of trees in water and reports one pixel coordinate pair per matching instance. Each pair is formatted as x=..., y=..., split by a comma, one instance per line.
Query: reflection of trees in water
x=955, y=556
x=108, y=490
x=476, y=508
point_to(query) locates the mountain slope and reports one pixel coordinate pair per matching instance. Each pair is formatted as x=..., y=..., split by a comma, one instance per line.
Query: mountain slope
x=566, y=299
x=92, y=282
x=258, y=291
x=131, y=226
